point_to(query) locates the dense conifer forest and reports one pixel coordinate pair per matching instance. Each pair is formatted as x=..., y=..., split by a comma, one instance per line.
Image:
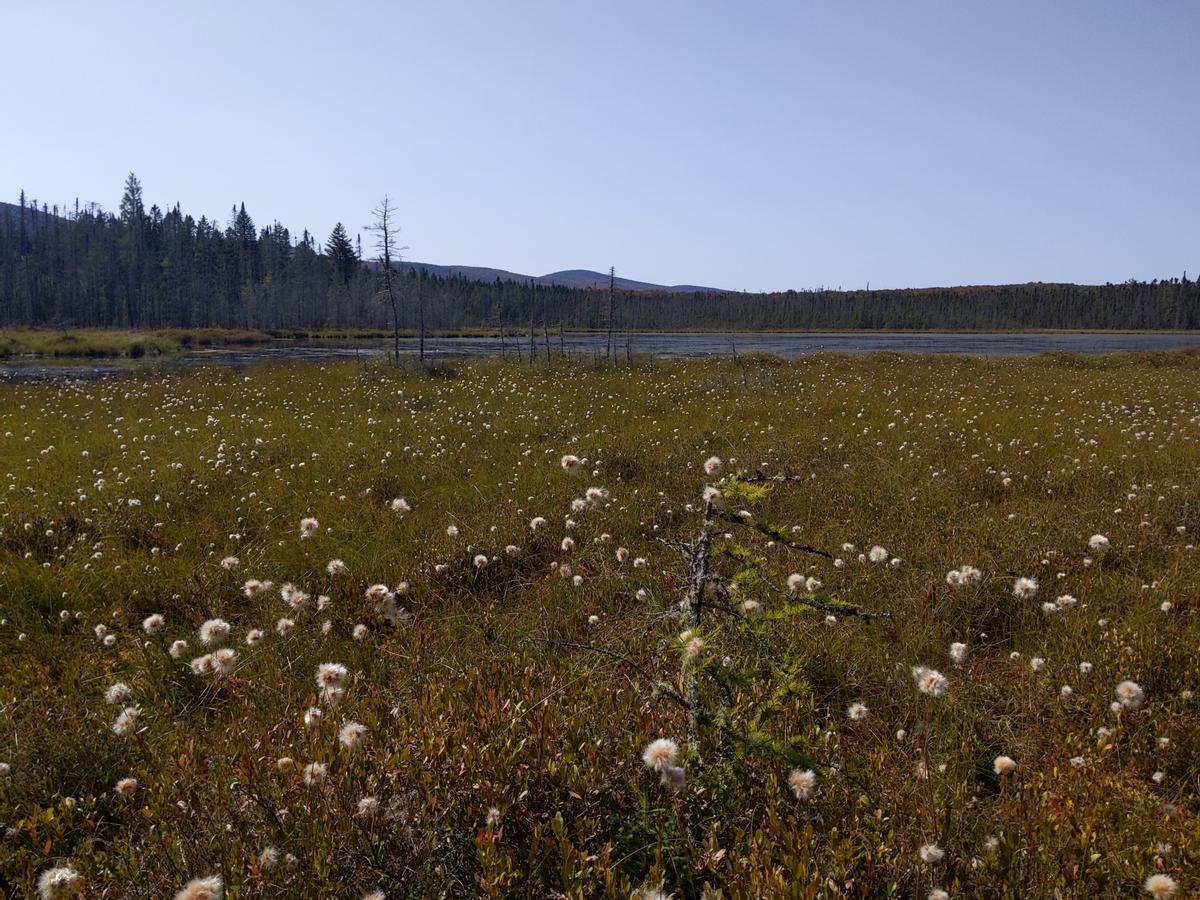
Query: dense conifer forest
x=144, y=267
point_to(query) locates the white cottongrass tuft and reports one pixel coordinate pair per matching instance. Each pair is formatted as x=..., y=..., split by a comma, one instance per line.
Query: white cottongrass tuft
x=802, y=782
x=352, y=735
x=210, y=888
x=1004, y=765
x=223, y=661
x=308, y=527
x=1160, y=886
x=118, y=693
x=969, y=575
x=1025, y=588
x=331, y=676
x=660, y=753
x=929, y=681
x=125, y=787
x=213, y=632
x=314, y=774
x=713, y=465
x=1130, y=694
x=61, y=881
x=931, y=853
x=126, y=721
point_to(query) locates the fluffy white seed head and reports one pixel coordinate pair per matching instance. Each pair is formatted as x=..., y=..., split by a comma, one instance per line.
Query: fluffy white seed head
x=210, y=888
x=660, y=753
x=1130, y=695
x=802, y=782
x=1160, y=886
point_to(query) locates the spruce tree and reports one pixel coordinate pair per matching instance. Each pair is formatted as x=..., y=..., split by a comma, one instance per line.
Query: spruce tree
x=342, y=253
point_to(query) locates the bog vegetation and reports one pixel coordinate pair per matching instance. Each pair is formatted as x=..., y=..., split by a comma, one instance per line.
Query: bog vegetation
x=889, y=626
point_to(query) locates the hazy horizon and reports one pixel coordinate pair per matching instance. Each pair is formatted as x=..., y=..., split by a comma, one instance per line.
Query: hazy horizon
x=757, y=148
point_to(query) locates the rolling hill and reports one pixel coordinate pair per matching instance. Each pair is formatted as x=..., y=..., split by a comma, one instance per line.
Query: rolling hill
x=575, y=278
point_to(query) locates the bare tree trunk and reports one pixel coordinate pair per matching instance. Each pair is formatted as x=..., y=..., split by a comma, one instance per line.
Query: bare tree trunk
x=385, y=232
x=612, y=274
x=698, y=556
x=420, y=319
x=531, y=333
x=395, y=328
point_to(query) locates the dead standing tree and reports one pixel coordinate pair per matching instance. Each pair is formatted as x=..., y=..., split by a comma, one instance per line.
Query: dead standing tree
x=720, y=605
x=612, y=275
x=384, y=229
x=421, y=316
x=708, y=591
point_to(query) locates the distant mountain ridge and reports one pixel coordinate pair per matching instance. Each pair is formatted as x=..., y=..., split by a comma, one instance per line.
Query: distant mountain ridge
x=575, y=278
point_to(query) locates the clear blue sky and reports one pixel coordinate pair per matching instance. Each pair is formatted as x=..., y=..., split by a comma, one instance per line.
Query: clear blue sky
x=748, y=145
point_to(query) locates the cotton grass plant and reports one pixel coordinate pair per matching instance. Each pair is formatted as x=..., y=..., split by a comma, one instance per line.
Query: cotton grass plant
x=339, y=630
